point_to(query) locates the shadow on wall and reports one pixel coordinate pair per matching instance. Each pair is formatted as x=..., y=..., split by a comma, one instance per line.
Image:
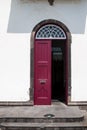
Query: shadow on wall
x=25, y=14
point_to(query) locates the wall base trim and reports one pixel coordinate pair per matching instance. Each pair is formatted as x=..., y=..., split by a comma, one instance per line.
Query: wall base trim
x=31, y=103
x=77, y=103
x=8, y=103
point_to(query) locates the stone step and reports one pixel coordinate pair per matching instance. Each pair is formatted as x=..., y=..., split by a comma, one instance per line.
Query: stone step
x=41, y=114
x=43, y=126
x=43, y=119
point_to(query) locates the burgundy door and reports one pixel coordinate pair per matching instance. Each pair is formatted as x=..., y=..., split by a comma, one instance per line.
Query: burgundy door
x=42, y=72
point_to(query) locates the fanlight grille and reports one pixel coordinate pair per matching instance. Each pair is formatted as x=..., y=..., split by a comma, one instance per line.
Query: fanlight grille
x=50, y=31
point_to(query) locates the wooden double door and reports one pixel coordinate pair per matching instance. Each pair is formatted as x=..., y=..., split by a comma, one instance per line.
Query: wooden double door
x=49, y=71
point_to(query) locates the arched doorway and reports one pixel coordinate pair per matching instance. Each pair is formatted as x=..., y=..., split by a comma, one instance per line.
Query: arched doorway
x=51, y=63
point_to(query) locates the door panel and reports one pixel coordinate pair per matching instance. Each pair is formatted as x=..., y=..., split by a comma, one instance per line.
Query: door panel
x=42, y=72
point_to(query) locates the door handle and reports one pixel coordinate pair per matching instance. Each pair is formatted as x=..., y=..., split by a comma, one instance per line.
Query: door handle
x=42, y=81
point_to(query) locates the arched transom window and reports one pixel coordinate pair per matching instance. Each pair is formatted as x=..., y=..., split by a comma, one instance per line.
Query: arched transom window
x=50, y=31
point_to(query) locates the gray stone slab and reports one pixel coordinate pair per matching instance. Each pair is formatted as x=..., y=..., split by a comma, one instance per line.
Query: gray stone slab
x=59, y=111
x=17, y=118
x=45, y=125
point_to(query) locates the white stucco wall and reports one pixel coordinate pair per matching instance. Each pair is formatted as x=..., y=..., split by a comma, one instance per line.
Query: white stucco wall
x=17, y=20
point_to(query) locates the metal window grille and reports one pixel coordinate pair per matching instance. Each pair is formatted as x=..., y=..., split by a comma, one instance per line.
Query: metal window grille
x=50, y=31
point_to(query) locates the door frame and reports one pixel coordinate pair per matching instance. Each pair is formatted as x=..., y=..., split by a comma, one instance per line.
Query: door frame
x=68, y=57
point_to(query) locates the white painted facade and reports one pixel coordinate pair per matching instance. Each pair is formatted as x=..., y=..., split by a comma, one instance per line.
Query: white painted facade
x=17, y=20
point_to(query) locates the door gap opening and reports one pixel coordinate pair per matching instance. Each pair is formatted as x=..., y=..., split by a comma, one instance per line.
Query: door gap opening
x=58, y=92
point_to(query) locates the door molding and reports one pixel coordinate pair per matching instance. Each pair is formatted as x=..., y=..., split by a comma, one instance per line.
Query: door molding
x=68, y=55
